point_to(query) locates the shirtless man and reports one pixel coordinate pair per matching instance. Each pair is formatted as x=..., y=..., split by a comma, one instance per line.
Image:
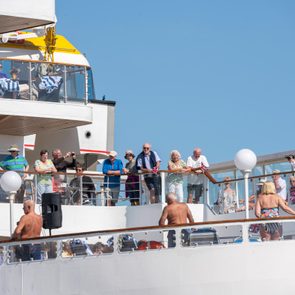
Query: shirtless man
x=176, y=213
x=29, y=226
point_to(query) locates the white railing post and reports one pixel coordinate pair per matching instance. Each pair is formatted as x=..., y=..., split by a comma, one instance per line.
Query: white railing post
x=163, y=187
x=102, y=196
x=246, y=178
x=245, y=235
x=206, y=192
x=81, y=190
x=140, y=189
x=35, y=193
x=237, y=190
x=11, y=201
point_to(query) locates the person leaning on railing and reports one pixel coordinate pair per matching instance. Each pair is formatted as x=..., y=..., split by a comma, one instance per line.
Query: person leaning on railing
x=113, y=168
x=175, y=179
x=148, y=162
x=195, y=184
x=132, y=181
x=267, y=206
x=45, y=168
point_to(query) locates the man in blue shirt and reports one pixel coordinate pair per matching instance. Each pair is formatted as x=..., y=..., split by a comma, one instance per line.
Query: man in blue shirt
x=112, y=168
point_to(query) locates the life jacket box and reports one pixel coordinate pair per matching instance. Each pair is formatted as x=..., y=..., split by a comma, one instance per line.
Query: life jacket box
x=201, y=236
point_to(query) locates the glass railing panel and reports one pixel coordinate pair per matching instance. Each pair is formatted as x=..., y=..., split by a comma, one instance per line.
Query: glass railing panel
x=211, y=235
x=272, y=231
x=215, y=189
x=2, y=255
x=101, y=245
x=186, y=186
x=144, y=241
x=87, y=246
x=28, y=252
x=45, y=81
x=192, y=237
x=26, y=190
x=76, y=247
x=282, y=166
x=229, y=197
x=14, y=80
x=50, y=250
x=127, y=243
x=91, y=92
x=257, y=170
x=75, y=83
x=49, y=80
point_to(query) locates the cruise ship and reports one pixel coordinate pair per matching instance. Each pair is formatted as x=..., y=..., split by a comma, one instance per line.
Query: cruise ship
x=121, y=249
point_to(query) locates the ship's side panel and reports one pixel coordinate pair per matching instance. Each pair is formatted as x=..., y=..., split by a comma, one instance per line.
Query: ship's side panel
x=243, y=269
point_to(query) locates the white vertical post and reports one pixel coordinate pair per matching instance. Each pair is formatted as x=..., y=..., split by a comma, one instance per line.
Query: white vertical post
x=81, y=189
x=35, y=194
x=140, y=189
x=11, y=201
x=246, y=178
x=163, y=187
x=206, y=192
x=237, y=190
x=86, y=85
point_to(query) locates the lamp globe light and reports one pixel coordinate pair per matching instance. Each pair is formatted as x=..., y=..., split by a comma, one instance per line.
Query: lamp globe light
x=10, y=181
x=245, y=159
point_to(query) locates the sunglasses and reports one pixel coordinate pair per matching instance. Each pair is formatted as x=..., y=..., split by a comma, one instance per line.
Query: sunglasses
x=146, y=148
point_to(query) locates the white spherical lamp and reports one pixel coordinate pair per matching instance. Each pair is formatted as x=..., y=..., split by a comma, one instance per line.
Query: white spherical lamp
x=245, y=160
x=10, y=181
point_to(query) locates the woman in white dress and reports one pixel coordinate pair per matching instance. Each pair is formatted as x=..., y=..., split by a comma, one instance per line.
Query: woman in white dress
x=175, y=179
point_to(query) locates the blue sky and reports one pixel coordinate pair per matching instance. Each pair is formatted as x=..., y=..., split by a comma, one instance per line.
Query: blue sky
x=215, y=74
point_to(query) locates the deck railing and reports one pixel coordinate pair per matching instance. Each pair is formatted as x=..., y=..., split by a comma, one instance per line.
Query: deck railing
x=95, y=190
x=230, y=233
x=43, y=81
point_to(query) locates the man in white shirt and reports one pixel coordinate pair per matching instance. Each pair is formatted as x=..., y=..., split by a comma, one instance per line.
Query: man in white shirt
x=280, y=184
x=195, y=185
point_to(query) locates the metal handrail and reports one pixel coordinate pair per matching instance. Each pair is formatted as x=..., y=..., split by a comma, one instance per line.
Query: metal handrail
x=147, y=228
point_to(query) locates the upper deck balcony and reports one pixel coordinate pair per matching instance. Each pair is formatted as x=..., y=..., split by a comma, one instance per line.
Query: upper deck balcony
x=36, y=96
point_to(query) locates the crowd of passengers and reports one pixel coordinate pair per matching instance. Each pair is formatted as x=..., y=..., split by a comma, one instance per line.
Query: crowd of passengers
x=148, y=163
x=46, y=84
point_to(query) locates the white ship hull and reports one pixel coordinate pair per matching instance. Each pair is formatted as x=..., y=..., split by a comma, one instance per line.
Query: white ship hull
x=243, y=269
